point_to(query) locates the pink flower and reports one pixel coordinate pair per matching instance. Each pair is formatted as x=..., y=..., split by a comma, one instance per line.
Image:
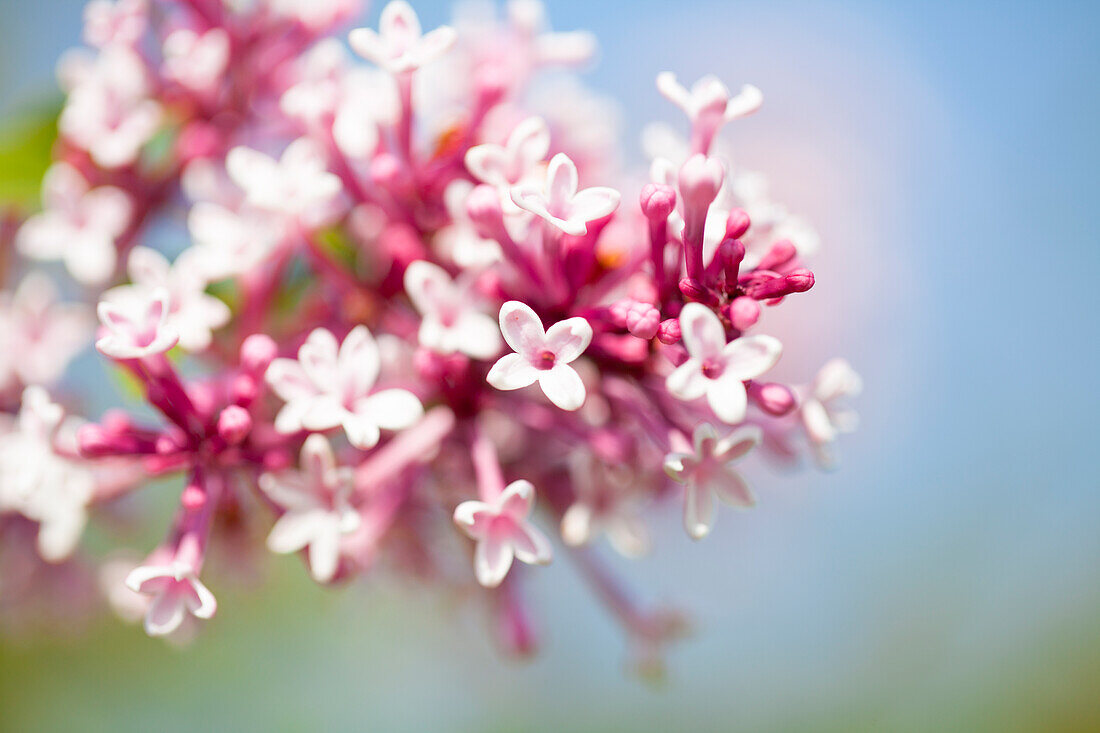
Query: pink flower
x=298, y=184
x=191, y=312
x=111, y=22
x=78, y=224
x=399, y=47
x=715, y=369
x=229, y=243
x=176, y=591
x=450, y=319
x=607, y=502
x=506, y=165
x=318, y=511
x=330, y=385
x=503, y=532
x=559, y=202
x=541, y=356
x=137, y=324
x=708, y=472
x=38, y=335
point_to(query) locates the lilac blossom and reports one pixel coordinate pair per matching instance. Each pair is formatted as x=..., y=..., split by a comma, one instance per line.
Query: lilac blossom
x=341, y=235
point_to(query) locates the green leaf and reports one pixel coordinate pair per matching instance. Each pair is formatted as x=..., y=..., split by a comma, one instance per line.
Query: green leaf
x=26, y=144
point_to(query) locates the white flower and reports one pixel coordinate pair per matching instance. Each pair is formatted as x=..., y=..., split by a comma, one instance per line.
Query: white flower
x=79, y=225
x=541, y=356
x=196, y=61
x=559, y=202
x=41, y=484
x=137, y=324
x=606, y=502
x=108, y=112
x=191, y=312
x=38, y=335
x=709, y=101
x=298, y=184
x=708, y=472
x=459, y=240
x=176, y=591
x=317, y=506
x=114, y=22
x=230, y=243
x=503, y=532
x=399, y=47
x=450, y=319
x=823, y=413
x=506, y=165
x=330, y=384
x=716, y=369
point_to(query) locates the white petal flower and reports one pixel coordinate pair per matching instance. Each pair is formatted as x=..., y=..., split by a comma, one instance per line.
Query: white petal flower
x=298, y=184
x=317, y=505
x=606, y=502
x=708, y=104
x=503, y=532
x=398, y=46
x=824, y=414
x=559, y=202
x=450, y=319
x=708, y=472
x=506, y=165
x=330, y=385
x=114, y=22
x=41, y=484
x=718, y=370
x=541, y=356
x=196, y=61
x=230, y=243
x=137, y=324
x=192, y=314
x=78, y=224
x=38, y=335
x=176, y=591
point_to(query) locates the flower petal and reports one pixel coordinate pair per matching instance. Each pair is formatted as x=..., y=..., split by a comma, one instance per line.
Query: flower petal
x=703, y=334
x=512, y=371
x=492, y=560
x=563, y=386
x=731, y=488
x=522, y=328
x=530, y=545
x=392, y=409
x=750, y=356
x=728, y=398
x=568, y=339
x=698, y=511
x=518, y=499
x=165, y=614
x=687, y=381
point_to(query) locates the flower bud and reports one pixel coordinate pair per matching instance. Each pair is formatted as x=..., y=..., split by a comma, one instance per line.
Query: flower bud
x=779, y=255
x=774, y=399
x=234, y=424
x=700, y=180
x=657, y=201
x=257, y=353
x=737, y=224
x=743, y=313
x=669, y=331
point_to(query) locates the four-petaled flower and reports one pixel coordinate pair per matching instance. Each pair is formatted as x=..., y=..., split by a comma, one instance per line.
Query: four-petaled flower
x=503, y=532
x=317, y=505
x=38, y=335
x=197, y=61
x=399, y=47
x=541, y=356
x=450, y=320
x=823, y=413
x=607, y=501
x=191, y=312
x=137, y=324
x=708, y=103
x=708, y=471
x=78, y=224
x=717, y=369
x=559, y=202
x=506, y=165
x=330, y=384
x=176, y=591
x=298, y=183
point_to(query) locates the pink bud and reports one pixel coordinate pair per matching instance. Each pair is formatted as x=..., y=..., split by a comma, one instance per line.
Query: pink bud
x=743, y=313
x=257, y=353
x=700, y=179
x=774, y=399
x=737, y=223
x=193, y=498
x=780, y=254
x=669, y=331
x=658, y=201
x=234, y=424
x=244, y=390
x=93, y=441
x=695, y=290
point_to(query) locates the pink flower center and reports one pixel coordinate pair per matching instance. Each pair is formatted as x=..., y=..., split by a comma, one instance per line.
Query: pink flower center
x=545, y=360
x=713, y=368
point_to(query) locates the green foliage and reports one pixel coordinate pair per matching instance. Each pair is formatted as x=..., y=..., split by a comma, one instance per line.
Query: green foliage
x=26, y=142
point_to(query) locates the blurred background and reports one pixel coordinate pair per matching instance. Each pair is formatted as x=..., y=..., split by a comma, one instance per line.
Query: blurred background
x=945, y=577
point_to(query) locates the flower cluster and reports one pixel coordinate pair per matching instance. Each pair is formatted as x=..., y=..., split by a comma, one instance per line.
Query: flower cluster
x=423, y=314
